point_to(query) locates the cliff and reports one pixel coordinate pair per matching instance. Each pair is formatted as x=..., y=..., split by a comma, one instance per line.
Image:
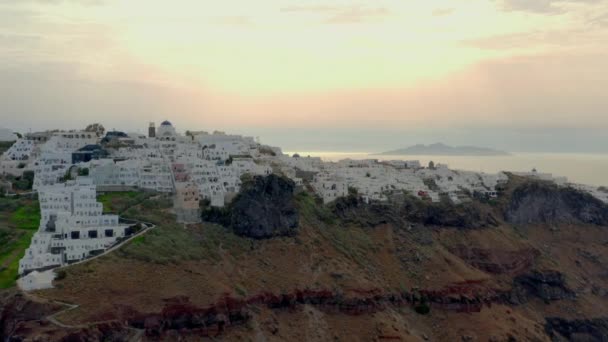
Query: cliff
x=404, y=270
x=264, y=208
x=544, y=202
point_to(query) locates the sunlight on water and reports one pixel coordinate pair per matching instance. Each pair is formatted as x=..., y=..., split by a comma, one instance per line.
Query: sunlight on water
x=579, y=168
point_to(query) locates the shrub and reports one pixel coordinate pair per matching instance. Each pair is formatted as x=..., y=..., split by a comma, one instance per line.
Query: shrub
x=422, y=308
x=60, y=275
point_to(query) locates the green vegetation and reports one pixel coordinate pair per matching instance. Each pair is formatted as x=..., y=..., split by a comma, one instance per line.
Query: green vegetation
x=151, y=209
x=118, y=202
x=24, y=182
x=431, y=184
x=311, y=209
x=353, y=242
x=60, y=275
x=171, y=243
x=26, y=217
x=19, y=219
x=422, y=308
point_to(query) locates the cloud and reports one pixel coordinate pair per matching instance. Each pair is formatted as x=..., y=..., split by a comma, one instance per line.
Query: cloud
x=600, y=20
x=54, y=2
x=440, y=12
x=536, y=39
x=237, y=21
x=541, y=6
x=341, y=14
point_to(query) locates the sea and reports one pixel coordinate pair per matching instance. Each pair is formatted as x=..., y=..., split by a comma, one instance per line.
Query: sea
x=591, y=169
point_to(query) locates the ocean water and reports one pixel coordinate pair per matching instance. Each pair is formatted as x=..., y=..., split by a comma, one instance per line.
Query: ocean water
x=578, y=168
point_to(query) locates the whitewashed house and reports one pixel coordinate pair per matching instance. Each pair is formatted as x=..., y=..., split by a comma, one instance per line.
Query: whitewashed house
x=72, y=226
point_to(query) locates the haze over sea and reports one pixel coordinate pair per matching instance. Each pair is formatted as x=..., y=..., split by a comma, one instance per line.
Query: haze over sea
x=579, y=168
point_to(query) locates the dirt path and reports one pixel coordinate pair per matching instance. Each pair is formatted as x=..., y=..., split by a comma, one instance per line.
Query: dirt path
x=149, y=226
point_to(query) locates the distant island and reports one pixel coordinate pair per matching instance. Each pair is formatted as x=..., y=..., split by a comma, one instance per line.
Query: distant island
x=440, y=149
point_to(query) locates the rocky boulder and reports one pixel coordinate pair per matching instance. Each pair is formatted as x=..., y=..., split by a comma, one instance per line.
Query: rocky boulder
x=545, y=202
x=17, y=312
x=264, y=208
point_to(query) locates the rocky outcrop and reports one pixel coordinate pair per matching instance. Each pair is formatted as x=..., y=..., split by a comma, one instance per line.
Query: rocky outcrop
x=496, y=261
x=16, y=312
x=545, y=202
x=560, y=329
x=110, y=331
x=264, y=208
x=412, y=210
x=545, y=285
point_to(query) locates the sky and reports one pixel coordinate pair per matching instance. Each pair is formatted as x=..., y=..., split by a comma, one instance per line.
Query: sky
x=520, y=75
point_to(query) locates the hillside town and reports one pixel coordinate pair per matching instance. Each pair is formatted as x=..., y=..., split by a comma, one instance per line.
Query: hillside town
x=70, y=168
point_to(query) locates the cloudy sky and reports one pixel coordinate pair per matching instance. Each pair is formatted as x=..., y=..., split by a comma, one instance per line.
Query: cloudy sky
x=521, y=75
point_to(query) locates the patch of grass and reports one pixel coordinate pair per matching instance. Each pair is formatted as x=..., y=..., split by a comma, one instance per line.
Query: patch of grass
x=240, y=290
x=152, y=210
x=19, y=220
x=172, y=243
x=10, y=259
x=311, y=209
x=353, y=242
x=138, y=240
x=27, y=216
x=118, y=202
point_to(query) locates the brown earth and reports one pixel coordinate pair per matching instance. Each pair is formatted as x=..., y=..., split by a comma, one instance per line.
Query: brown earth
x=370, y=267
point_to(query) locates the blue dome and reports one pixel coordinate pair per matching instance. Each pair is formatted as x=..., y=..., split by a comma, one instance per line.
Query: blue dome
x=165, y=123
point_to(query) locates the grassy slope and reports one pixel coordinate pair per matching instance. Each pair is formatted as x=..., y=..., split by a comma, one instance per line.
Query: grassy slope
x=19, y=220
x=204, y=261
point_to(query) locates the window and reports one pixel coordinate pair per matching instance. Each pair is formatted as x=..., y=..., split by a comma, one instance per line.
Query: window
x=75, y=235
x=109, y=232
x=92, y=234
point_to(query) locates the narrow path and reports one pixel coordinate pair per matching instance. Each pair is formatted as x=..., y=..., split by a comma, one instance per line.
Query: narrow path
x=149, y=226
x=137, y=333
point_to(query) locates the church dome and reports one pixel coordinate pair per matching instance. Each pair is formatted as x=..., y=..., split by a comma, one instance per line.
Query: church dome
x=166, y=123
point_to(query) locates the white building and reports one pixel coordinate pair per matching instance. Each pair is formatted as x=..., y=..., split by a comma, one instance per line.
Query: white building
x=37, y=280
x=21, y=150
x=72, y=226
x=330, y=186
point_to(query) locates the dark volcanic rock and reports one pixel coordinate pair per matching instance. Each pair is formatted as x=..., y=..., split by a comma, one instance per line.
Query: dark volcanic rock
x=546, y=285
x=265, y=208
x=577, y=330
x=468, y=216
x=16, y=312
x=545, y=202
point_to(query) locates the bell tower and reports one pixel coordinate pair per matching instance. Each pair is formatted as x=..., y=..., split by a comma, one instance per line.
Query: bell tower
x=152, y=130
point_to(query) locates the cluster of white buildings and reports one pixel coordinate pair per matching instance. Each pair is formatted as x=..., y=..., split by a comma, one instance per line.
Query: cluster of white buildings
x=72, y=226
x=195, y=167
x=377, y=181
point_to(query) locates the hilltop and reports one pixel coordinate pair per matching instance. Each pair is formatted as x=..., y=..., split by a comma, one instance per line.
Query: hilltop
x=407, y=270
x=445, y=150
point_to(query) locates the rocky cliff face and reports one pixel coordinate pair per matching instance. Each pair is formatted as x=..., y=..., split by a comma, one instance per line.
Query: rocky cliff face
x=16, y=312
x=398, y=213
x=560, y=329
x=546, y=285
x=264, y=208
x=544, y=202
